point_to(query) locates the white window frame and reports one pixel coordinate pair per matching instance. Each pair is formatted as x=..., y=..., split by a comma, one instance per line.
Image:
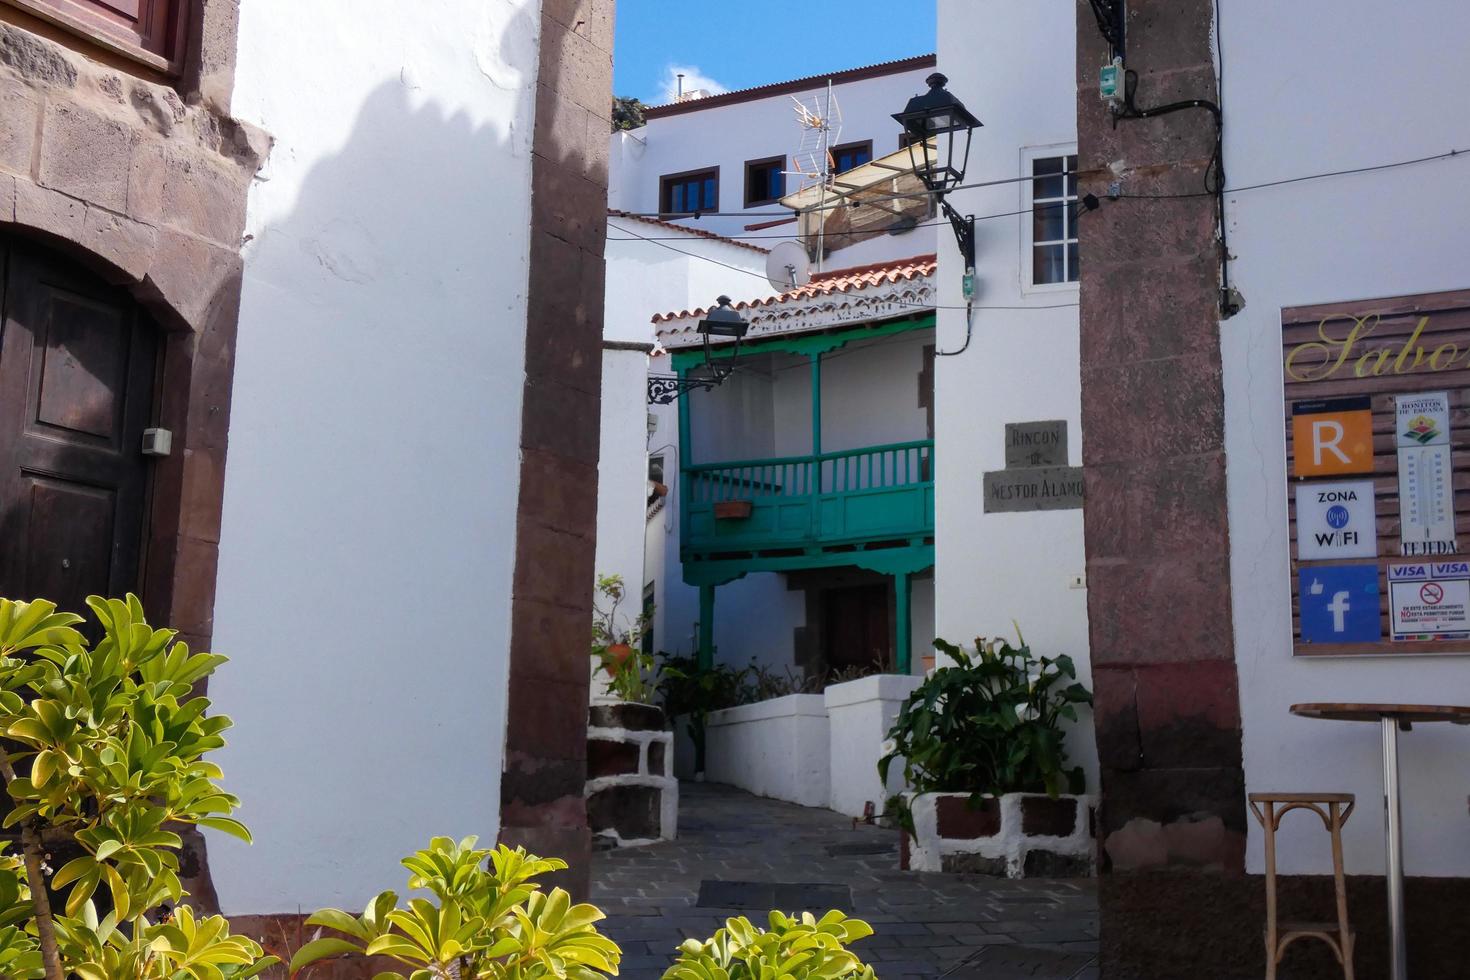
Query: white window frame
x=1029, y=155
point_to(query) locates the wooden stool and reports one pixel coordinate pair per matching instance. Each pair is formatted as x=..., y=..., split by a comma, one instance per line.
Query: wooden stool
x=1330, y=807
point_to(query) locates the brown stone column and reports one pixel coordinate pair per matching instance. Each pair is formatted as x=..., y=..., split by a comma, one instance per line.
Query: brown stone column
x=1173, y=812
x=542, y=805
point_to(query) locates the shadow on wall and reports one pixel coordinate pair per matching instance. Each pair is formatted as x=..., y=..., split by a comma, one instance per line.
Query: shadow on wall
x=371, y=504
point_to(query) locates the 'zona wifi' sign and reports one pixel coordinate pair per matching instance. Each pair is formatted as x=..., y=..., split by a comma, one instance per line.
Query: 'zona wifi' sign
x=1335, y=520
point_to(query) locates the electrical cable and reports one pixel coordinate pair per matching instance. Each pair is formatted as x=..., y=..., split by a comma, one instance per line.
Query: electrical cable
x=1392, y=165
x=916, y=306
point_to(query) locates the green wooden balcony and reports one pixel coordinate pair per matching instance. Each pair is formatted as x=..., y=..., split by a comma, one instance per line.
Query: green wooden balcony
x=809, y=505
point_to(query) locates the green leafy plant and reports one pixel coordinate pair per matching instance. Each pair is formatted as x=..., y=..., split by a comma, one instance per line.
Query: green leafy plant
x=104, y=753
x=793, y=946
x=689, y=690
x=631, y=672
x=486, y=919
x=989, y=723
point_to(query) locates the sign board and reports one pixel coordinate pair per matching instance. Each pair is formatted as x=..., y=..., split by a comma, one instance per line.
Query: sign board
x=1429, y=600
x=1375, y=392
x=1333, y=436
x=1036, y=444
x=1033, y=488
x=1336, y=520
x=1339, y=604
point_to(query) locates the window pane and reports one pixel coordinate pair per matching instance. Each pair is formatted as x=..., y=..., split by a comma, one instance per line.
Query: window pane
x=1043, y=185
x=778, y=182
x=676, y=198
x=861, y=157
x=1048, y=222
x=1072, y=263
x=709, y=194
x=1047, y=264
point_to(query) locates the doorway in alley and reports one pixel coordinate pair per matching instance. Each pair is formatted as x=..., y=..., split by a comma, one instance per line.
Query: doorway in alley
x=857, y=632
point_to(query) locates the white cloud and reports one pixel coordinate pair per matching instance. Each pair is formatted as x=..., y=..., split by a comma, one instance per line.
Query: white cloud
x=693, y=79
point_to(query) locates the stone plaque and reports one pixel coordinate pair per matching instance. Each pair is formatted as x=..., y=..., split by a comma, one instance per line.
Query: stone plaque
x=1033, y=488
x=1036, y=444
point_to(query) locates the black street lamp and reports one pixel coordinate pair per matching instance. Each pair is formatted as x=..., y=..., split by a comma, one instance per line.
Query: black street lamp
x=721, y=321
x=925, y=119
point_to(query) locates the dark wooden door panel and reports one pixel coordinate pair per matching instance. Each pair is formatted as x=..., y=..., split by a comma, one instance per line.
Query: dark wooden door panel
x=77, y=362
x=83, y=350
x=69, y=541
x=857, y=627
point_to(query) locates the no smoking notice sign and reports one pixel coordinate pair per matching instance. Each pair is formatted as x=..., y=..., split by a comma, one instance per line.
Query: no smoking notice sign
x=1429, y=600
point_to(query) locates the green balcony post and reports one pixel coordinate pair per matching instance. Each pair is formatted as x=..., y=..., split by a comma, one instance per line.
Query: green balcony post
x=902, y=639
x=706, y=627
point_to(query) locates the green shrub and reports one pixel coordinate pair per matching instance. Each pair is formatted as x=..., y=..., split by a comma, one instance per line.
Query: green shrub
x=989, y=723
x=105, y=755
x=482, y=922
x=799, y=947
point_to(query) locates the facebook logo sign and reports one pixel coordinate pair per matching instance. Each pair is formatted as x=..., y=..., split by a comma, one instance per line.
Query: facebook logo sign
x=1339, y=604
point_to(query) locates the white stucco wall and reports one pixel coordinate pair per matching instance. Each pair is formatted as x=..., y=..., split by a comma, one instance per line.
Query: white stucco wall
x=1013, y=65
x=645, y=278
x=622, y=474
x=1293, y=109
x=369, y=512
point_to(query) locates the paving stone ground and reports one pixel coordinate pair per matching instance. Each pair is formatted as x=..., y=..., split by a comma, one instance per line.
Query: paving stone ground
x=966, y=927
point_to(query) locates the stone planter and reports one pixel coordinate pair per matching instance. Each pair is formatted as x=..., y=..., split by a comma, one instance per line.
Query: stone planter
x=777, y=748
x=859, y=715
x=1018, y=835
x=632, y=797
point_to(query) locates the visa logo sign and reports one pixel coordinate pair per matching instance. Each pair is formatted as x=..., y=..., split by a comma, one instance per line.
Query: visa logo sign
x=1424, y=571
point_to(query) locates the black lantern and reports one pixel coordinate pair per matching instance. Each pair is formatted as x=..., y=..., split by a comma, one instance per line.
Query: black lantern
x=721, y=321
x=925, y=120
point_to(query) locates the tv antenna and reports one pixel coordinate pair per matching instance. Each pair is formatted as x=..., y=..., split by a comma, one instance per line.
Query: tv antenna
x=787, y=267
x=820, y=119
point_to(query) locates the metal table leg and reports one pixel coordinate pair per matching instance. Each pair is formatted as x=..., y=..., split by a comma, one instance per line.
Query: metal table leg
x=1398, y=963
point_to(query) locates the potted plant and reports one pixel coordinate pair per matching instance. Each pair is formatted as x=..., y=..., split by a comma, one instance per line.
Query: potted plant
x=615, y=644
x=984, y=755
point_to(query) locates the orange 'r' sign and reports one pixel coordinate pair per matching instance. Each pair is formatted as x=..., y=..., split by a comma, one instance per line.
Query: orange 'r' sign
x=1332, y=436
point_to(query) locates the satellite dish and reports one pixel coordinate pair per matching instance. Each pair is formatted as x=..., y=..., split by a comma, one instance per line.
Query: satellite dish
x=787, y=267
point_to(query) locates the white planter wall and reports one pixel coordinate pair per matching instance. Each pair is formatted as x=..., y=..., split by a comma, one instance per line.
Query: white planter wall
x=859, y=715
x=1001, y=842
x=776, y=748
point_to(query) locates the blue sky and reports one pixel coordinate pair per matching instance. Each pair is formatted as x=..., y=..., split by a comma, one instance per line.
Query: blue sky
x=730, y=44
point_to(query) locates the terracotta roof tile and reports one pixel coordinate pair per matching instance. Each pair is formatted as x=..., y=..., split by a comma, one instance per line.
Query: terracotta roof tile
x=696, y=232
x=835, y=281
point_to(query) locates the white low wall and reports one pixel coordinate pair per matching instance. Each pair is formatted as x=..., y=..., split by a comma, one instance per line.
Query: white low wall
x=777, y=748
x=859, y=715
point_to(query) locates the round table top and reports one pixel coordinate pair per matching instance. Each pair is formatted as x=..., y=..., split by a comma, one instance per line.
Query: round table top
x=1339, y=711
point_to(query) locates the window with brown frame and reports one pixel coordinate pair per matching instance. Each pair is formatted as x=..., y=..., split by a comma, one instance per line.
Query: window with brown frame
x=850, y=155
x=152, y=31
x=765, y=181
x=690, y=192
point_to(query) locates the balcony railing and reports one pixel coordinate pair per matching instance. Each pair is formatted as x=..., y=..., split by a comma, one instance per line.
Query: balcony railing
x=877, y=493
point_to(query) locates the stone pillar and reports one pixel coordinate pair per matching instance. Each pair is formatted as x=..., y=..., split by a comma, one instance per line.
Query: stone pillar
x=1173, y=815
x=542, y=805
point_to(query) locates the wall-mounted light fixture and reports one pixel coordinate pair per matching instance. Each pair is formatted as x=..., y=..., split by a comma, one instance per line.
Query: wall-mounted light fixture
x=722, y=320
x=940, y=163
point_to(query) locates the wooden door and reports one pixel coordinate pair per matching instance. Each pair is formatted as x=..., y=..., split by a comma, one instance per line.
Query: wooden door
x=77, y=363
x=857, y=629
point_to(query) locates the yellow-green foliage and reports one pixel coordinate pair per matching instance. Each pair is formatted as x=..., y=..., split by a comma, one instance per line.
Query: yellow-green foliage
x=794, y=946
x=111, y=740
x=482, y=922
